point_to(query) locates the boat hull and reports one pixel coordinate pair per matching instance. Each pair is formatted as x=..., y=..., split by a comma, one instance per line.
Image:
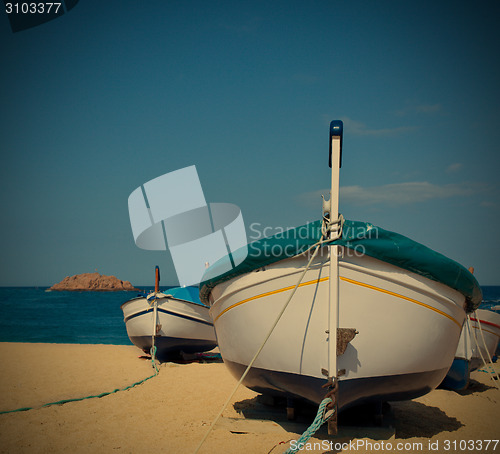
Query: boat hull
x=351, y=392
x=183, y=326
x=408, y=328
x=471, y=349
x=490, y=326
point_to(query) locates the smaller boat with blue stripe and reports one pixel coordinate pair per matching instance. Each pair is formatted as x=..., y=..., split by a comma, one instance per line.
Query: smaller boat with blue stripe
x=174, y=321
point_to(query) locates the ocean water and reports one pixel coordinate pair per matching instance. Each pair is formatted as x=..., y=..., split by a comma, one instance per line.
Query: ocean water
x=30, y=314
x=491, y=296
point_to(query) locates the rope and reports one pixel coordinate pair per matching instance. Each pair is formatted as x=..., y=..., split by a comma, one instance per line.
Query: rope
x=152, y=299
x=334, y=228
x=320, y=419
x=317, y=245
x=152, y=352
x=65, y=401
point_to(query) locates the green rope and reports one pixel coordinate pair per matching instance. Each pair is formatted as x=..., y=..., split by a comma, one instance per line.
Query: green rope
x=152, y=352
x=313, y=428
x=65, y=401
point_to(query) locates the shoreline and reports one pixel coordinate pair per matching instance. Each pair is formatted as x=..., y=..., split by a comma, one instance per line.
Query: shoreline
x=173, y=410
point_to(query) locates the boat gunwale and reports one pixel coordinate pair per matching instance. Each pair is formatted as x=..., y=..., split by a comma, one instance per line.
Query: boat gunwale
x=376, y=242
x=164, y=298
x=486, y=323
x=357, y=268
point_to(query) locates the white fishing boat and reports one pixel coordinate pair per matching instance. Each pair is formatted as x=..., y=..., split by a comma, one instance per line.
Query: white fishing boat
x=485, y=331
x=478, y=343
x=174, y=321
x=398, y=308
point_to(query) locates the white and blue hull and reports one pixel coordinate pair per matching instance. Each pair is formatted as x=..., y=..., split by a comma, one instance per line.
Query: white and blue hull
x=408, y=325
x=471, y=350
x=181, y=326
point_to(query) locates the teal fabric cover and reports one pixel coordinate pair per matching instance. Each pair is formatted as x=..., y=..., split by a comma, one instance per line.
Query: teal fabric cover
x=361, y=238
x=191, y=294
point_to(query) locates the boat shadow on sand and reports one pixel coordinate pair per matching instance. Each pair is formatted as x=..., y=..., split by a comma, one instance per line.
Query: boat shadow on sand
x=186, y=358
x=474, y=387
x=400, y=420
x=417, y=420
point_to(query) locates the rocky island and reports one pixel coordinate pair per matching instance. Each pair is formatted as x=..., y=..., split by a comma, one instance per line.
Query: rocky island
x=93, y=282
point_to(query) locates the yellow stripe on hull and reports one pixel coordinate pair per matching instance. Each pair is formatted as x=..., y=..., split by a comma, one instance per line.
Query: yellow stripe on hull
x=345, y=279
x=270, y=293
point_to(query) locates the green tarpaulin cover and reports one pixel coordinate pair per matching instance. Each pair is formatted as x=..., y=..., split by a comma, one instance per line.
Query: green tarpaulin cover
x=362, y=238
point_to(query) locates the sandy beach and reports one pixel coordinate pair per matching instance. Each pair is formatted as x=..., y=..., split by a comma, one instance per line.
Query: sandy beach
x=171, y=412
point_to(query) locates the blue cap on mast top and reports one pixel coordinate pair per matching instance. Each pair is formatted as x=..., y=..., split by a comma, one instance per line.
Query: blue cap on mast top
x=336, y=130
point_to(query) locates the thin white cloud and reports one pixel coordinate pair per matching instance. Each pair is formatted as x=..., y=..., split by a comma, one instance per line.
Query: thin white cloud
x=360, y=129
x=420, y=109
x=455, y=167
x=396, y=194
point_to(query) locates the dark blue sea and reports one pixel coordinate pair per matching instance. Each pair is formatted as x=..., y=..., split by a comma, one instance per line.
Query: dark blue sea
x=31, y=314
x=491, y=296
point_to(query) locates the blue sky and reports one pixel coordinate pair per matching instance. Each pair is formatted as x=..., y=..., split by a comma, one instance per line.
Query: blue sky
x=113, y=94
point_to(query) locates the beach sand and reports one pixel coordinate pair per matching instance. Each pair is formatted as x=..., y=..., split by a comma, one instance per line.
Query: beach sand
x=171, y=412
